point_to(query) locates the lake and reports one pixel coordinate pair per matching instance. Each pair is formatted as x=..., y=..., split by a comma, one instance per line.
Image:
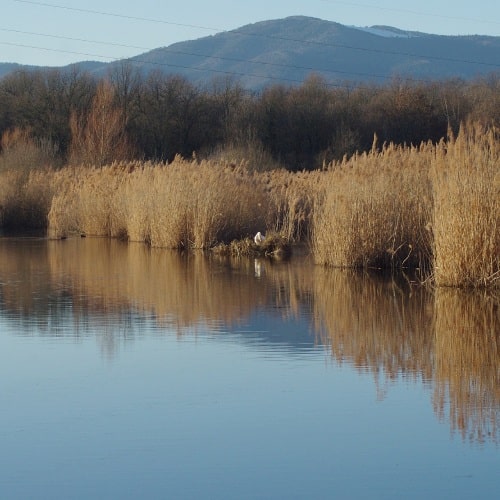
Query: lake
x=131, y=372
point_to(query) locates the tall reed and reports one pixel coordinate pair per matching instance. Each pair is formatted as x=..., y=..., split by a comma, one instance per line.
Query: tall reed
x=85, y=201
x=374, y=210
x=466, y=185
x=293, y=196
x=25, y=199
x=185, y=204
x=27, y=169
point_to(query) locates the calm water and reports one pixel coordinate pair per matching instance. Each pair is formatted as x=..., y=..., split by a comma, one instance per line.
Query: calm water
x=127, y=372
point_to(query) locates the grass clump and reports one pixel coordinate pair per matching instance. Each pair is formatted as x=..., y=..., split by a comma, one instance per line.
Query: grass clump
x=466, y=225
x=27, y=169
x=435, y=207
x=185, y=204
x=431, y=207
x=275, y=246
x=374, y=208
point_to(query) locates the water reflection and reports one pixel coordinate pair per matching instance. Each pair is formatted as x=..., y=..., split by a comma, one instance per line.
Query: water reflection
x=448, y=340
x=467, y=351
x=376, y=323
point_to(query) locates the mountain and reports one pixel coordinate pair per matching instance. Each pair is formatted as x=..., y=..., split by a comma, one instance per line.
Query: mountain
x=6, y=68
x=288, y=50
x=88, y=66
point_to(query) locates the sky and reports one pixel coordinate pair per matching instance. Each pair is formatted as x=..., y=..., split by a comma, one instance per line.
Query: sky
x=60, y=32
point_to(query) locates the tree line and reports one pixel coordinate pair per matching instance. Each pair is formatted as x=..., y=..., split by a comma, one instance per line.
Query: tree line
x=129, y=115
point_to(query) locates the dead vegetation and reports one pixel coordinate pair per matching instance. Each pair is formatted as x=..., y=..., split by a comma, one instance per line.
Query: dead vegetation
x=432, y=207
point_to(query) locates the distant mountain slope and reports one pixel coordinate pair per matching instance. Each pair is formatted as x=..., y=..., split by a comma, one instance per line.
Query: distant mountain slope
x=89, y=66
x=6, y=68
x=288, y=50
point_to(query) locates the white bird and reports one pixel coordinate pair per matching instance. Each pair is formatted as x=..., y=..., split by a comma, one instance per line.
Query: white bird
x=259, y=238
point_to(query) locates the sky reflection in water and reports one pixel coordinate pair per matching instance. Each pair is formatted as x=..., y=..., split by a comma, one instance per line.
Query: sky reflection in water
x=218, y=378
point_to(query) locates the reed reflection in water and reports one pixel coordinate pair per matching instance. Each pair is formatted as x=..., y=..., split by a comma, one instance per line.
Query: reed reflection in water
x=376, y=323
x=447, y=340
x=467, y=347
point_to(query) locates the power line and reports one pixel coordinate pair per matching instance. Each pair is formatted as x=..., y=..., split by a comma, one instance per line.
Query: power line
x=236, y=32
x=114, y=14
x=365, y=49
x=414, y=12
x=85, y=40
x=239, y=31
x=192, y=54
x=220, y=71
x=215, y=29
x=153, y=63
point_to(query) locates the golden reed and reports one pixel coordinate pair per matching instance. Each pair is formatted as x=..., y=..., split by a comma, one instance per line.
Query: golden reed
x=435, y=207
x=466, y=223
x=431, y=207
x=184, y=204
x=374, y=210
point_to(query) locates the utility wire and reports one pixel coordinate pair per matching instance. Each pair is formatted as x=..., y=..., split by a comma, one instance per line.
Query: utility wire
x=257, y=35
x=192, y=54
x=364, y=6
x=137, y=59
x=153, y=63
x=114, y=14
x=85, y=40
x=413, y=12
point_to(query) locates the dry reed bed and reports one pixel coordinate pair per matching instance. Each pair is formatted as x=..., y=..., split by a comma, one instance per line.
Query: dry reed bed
x=435, y=207
x=25, y=198
x=185, y=204
x=374, y=210
x=466, y=224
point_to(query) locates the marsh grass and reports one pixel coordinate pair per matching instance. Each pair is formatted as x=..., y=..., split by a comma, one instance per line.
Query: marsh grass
x=185, y=204
x=435, y=208
x=249, y=152
x=432, y=207
x=27, y=169
x=274, y=246
x=293, y=196
x=374, y=210
x=466, y=224
x=25, y=199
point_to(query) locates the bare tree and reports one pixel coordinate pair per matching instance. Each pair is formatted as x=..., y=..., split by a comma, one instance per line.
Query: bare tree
x=99, y=137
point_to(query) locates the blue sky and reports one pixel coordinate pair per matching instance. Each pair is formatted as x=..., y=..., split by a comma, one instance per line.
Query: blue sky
x=58, y=32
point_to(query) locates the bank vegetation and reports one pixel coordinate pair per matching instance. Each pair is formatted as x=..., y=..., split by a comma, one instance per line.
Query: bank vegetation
x=423, y=194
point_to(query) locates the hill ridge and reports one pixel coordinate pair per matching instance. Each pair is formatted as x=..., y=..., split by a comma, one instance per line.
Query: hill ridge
x=290, y=49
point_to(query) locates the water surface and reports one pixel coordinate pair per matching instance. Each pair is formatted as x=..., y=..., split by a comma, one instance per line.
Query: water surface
x=129, y=372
